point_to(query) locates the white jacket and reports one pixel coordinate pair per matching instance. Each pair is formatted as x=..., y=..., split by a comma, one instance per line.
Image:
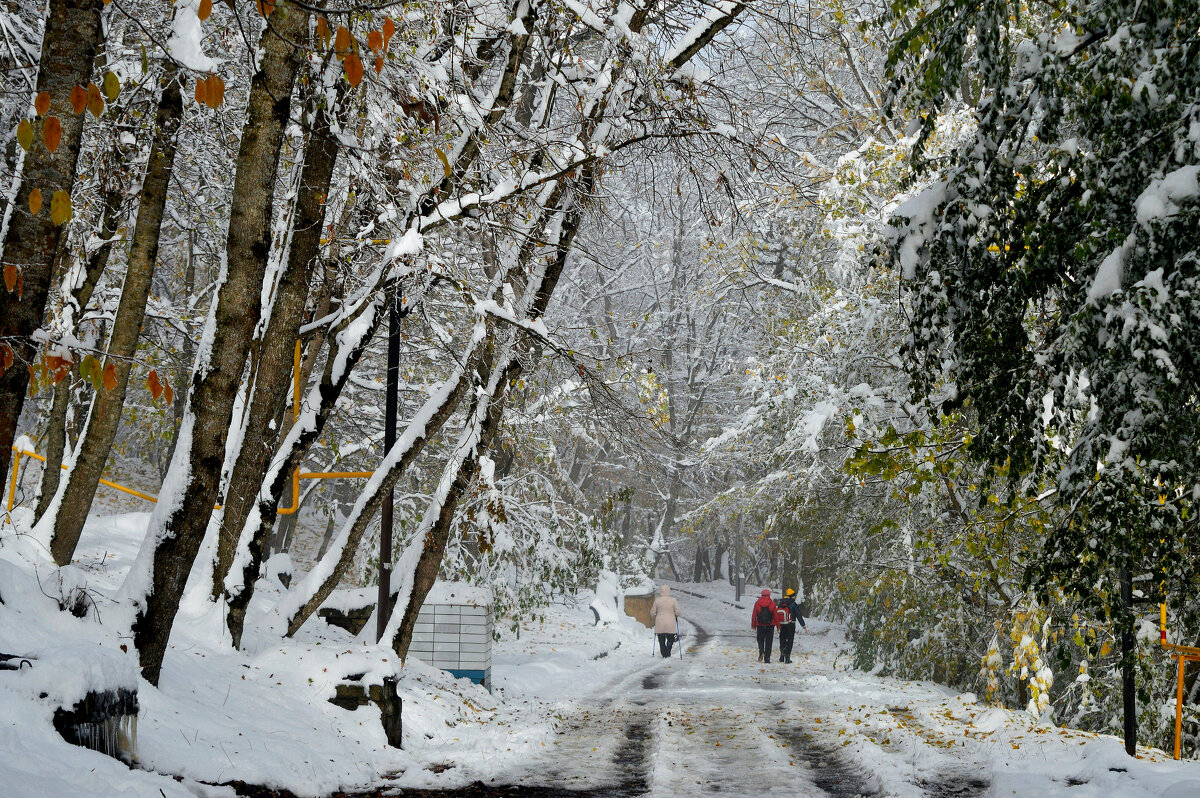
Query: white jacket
x=665, y=613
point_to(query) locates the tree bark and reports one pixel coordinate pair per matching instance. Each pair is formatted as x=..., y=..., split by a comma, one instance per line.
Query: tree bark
x=333, y=286
x=189, y=353
x=56, y=444
x=271, y=382
x=182, y=514
x=73, y=501
x=69, y=45
x=700, y=563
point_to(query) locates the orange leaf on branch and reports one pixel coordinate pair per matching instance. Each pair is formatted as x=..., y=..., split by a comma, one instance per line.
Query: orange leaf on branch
x=168, y=393
x=323, y=33
x=59, y=367
x=110, y=376
x=215, y=91
x=95, y=101
x=79, y=99
x=354, y=69
x=375, y=41
x=389, y=30
x=6, y=357
x=379, y=65
x=154, y=385
x=10, y=277
x=41, y=103
x=343, y=42
x=51, y=133
x=265, y=7
x=204, y=10
x=35, y=201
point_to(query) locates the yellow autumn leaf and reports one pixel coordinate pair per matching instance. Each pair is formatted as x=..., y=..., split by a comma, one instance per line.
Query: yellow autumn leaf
x=112, y=86
x=60, y=207
x=25, y=134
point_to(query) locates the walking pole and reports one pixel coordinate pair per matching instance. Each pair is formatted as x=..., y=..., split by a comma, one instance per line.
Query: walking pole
x=678, y=638
x=652, y=636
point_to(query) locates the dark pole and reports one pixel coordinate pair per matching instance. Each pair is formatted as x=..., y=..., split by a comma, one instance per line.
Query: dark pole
x=1127, y=662
x=389, y=439
x=737, y=564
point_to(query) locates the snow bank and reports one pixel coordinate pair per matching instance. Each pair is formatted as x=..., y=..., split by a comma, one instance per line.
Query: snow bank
x=260, y=716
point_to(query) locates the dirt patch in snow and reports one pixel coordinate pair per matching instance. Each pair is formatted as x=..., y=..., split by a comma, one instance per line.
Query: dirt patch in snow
x=828, y=770
x=955, y=786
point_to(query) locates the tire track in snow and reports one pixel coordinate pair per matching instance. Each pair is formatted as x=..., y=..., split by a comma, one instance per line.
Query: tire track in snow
x=832, y=773
x=955, y=786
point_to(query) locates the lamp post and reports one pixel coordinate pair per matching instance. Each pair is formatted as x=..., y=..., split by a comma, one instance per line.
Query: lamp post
x=389, y=440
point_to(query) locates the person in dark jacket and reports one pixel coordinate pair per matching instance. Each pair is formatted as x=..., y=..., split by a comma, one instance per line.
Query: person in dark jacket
x=789, y=613
x=763, y=620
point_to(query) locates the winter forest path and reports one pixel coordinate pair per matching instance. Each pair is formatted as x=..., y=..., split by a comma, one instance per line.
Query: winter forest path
x=717, y=723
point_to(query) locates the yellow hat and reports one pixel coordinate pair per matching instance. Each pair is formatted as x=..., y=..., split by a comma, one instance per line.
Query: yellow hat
x=789, y=592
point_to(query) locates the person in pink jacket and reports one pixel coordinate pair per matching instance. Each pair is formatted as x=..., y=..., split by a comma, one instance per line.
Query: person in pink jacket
x=665, y=615
x=763, y=620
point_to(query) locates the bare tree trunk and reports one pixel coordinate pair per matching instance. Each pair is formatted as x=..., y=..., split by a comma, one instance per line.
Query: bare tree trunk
x=342, y=496
x=700, y=564
x=56, y=443
x=182, y=514
x=333, y=285
x=73, y=501
x=284, y=530
x=189, y=352
x=674, y=570
x=259, y=440
x=69, y=45
x=433, y=543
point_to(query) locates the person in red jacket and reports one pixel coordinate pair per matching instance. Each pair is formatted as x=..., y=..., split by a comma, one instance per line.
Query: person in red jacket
x=763, y=620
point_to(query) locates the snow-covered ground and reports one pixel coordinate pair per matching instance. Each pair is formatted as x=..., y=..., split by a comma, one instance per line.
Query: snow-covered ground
x=719, y=722
x=577, y=710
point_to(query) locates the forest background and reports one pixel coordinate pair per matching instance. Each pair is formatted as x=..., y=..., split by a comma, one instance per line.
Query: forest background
x=891, y=303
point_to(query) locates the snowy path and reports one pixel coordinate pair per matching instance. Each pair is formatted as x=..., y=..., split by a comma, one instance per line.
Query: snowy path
x=718, y=723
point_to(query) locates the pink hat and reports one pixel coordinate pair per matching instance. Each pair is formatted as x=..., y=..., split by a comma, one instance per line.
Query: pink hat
x=766, y=593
